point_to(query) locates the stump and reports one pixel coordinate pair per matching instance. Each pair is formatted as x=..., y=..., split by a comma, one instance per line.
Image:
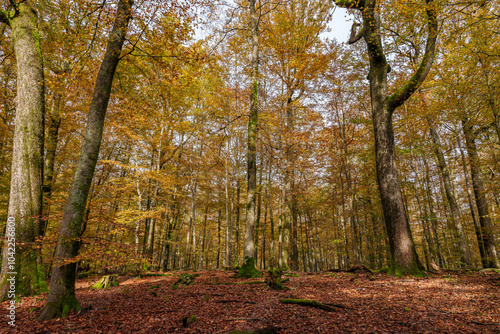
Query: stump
x=274, y=280
x=106, y=282
x=186, y=279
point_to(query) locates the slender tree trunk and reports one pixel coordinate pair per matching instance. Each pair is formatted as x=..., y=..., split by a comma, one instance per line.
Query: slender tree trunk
x=290, y=193
x=257, y=217
x=218, y=239
x=477, y=227
x=491, y=258
x=54, y=121
x=229, y=219
x=25, y=201
x=62, y=299
x=272, y=251
x=252, y=137
x=450, y=194
x=432, y=215
x=193, y=219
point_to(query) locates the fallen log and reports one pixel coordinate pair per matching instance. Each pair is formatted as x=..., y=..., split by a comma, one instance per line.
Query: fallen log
x=310, y=303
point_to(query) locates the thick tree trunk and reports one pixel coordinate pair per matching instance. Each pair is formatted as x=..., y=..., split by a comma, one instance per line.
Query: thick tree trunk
x=450, y=194
x=491, y=258
x=404, y=255
x=401, y=243
x=62, y=299
x=252, y=137
x=25, y=201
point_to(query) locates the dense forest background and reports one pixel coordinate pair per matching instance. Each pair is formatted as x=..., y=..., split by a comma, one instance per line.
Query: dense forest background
x=170, y=188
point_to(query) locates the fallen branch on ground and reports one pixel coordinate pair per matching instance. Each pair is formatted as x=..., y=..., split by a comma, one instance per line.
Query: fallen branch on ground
x=310, y=303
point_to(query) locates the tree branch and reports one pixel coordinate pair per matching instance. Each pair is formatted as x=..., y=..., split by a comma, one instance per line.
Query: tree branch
x=351, y=4
x=403, y=94
x=356, y=37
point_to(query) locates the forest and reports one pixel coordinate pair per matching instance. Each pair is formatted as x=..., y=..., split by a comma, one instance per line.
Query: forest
x=233, y=151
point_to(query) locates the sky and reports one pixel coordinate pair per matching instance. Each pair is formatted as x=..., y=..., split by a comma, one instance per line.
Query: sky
x=340, y=25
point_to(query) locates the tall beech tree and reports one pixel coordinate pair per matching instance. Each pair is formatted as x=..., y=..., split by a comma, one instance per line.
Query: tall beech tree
x=252, y=135
x=25, y=202
x=383, y=105
x=62, y=299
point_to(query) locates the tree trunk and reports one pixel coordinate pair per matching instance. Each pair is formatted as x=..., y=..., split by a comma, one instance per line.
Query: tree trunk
x=229, y=218
x=450, y=194
x=290, y=194
x=62, y=299
x=25, y=201
x=54, y=120
x=404, y=255
x=491, y=258
x=477, y=227
x=249, y=251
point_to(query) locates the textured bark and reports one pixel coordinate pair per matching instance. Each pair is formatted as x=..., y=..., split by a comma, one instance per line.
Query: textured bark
x=491, y=258
x=25, y=201
x=249, y=250
x=450, y=195
x=404, y=255
x=290, y=193
x=62, y=299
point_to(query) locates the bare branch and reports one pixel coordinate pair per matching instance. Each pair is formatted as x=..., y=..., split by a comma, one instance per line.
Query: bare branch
x=356, y=37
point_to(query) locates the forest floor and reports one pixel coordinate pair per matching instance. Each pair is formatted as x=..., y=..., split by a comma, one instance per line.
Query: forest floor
x=448, y=302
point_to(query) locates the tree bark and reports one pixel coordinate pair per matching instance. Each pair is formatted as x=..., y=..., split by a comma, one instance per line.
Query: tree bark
x=249, y=250
x=62, y=299
x=25, y=201
x=491, y=258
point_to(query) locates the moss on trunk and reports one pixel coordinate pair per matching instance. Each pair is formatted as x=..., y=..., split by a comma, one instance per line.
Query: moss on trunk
x=106, y=282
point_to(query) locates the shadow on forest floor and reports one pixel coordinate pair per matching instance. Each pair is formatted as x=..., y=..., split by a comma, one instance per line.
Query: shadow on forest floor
x=452, y=303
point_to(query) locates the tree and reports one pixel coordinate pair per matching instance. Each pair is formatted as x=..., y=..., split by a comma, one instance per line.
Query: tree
x=25, y=203
x=62, y=299
x=383, y=105
x=252, y=135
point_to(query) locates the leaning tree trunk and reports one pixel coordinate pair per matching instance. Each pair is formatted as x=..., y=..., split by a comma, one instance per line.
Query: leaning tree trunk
x=450, y=195
x=62, y=299
x=25, y=201
x=491, y=258
x=249, y=250
x=403, y=252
